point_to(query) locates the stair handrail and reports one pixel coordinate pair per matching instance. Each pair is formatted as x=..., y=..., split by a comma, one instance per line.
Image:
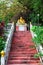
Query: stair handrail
x=4, y=53
x=33, y=35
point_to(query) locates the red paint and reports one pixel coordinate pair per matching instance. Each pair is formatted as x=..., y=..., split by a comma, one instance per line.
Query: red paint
x=21, y=51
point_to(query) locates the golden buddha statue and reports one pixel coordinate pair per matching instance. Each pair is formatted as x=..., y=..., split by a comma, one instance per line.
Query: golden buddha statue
x=21, y=21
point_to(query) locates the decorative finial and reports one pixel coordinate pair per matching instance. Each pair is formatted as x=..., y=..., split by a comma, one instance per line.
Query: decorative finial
x=2, y=53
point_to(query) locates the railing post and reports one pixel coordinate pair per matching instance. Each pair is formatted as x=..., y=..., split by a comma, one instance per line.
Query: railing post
x=31, y=30
x=2, y=58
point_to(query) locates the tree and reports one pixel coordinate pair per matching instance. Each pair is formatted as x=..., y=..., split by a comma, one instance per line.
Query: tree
x=36, y=7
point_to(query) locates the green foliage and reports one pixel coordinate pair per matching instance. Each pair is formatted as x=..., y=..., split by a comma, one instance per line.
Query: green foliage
x=36, y=7
x=38, y=39
x=39, y=32
x=2, y=43
x=9, y=8
x=38, y=55
x=34, y=18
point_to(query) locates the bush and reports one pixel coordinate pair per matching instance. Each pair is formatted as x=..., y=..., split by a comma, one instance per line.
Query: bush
x=39, y=32
x=2, y=43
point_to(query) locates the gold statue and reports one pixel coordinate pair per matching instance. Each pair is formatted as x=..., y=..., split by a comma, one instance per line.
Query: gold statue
x=21, y=21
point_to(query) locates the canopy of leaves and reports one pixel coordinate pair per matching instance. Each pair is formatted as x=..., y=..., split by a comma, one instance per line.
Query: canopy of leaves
x=36, y=6
x=9, y=8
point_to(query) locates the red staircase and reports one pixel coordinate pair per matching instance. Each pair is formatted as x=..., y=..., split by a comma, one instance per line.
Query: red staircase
x=21, y=52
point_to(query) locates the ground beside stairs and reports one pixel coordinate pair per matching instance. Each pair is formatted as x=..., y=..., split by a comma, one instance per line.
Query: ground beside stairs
x=22, y=50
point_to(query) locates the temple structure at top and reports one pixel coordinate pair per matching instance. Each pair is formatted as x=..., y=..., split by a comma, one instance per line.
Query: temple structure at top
x=21, y=25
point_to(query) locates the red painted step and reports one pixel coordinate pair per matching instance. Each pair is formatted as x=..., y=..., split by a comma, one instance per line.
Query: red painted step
x=23, y=50
x=26, y=64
